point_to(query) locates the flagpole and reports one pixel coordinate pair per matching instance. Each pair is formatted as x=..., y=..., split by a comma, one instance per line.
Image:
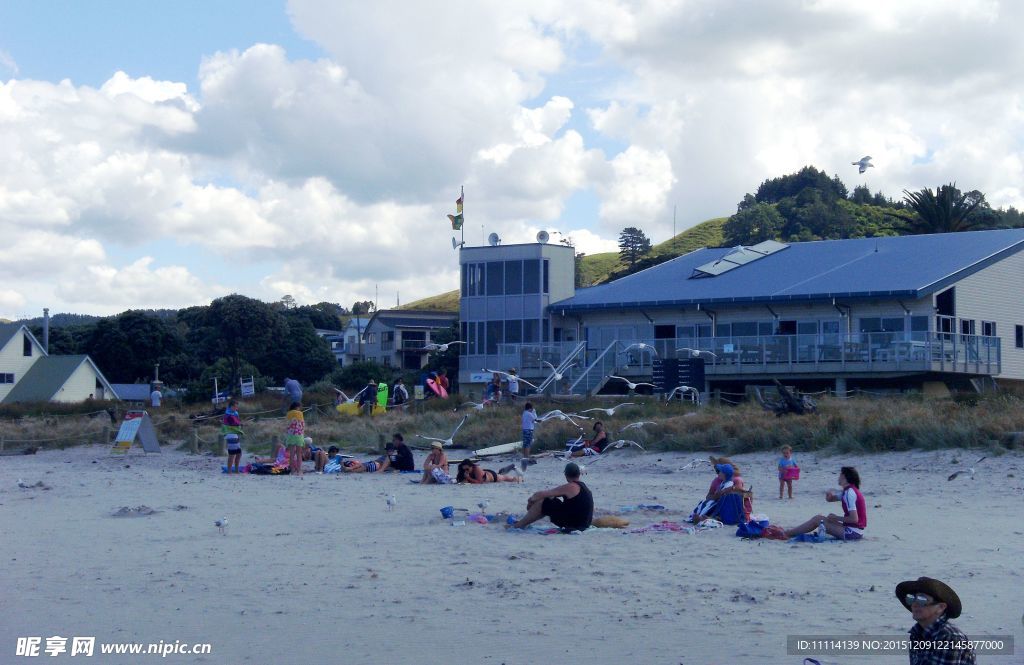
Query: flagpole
x=462, y=197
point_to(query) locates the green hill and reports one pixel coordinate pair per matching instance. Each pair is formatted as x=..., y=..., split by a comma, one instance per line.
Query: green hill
x=597, y=268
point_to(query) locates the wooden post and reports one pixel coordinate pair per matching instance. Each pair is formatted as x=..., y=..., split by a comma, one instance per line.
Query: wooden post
x=380, y=442
x=2, y=443
x=194, y=441
x=222, y=445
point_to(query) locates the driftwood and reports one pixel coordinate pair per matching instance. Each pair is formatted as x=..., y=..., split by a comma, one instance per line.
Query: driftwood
x=787, y=402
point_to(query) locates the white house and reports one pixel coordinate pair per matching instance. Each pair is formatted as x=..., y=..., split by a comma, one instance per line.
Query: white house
x=29, y=374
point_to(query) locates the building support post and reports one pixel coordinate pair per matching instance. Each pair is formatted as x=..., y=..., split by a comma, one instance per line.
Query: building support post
x=840, y=386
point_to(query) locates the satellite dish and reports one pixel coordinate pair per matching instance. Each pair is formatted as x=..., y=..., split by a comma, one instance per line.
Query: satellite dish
x=456, y=245
x=543, y=237
x=493, y=240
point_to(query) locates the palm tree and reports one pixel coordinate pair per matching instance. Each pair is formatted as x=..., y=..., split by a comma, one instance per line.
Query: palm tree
x=946, y=210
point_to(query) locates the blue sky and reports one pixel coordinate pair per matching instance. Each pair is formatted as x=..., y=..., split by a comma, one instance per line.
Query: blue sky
x=314, y=147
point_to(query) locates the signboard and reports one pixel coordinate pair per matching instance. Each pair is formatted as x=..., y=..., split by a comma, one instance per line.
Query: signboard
x=136, y=424
x=480, y=377
x=417, y=392
x=248, y=387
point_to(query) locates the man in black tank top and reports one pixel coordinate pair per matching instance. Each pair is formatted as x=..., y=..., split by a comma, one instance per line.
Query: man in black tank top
x=569, y=506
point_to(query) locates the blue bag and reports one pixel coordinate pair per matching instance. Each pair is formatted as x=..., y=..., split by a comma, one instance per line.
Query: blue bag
x=751, y=529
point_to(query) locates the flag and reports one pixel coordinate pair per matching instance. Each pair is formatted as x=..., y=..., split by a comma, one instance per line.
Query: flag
x=456, y=221
x=458, y=204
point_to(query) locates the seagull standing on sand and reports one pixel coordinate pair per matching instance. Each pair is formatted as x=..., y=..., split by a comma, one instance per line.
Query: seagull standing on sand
x=630, y=384
x=610, y=412
x=441, y=348
x=392, y=501
x=969, y=471
x=864, y=163
x=448, y=441
x=222, y=525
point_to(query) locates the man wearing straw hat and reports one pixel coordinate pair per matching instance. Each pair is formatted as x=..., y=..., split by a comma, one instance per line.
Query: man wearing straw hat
x=933, y=639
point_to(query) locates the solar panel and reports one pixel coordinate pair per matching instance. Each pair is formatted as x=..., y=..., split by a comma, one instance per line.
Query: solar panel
x=737, y=257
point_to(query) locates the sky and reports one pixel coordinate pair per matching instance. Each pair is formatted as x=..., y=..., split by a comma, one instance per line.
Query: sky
x=166, y=153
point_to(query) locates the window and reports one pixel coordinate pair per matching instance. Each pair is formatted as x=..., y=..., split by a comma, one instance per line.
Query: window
x=387, y=361
x=464, y=331
x=531, y=333
x=531, y=276
x=513, y=278
x=495, y=278
x=494, y=336
x=744, y=329
x=371, y=338
x=967, y=326
x=870, y=325
x=1018, y=333
x=545, y=277
x=513, y=331
x=988, y=328
x=9, y=378
x=26, y=345
x=765, y=328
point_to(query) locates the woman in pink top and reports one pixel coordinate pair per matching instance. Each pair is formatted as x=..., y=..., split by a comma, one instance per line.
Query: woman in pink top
x=849, y=526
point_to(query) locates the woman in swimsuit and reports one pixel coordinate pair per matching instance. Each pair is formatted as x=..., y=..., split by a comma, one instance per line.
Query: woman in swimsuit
x=470, y=472
x=436, y=460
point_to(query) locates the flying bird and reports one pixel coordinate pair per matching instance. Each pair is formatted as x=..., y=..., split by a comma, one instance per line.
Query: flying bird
x=684, y=390
x=642, y=347
x=479, y=406
x=550, y=415
x=554, y=370
x=697, y=353
x=638, y=425
x=615, y=445
x=448, y=441
x=610, y=412
x=864, y=163
x=630, y=384
x=693, y=464
x=571, y=447
x=506, y=375
x=441, y=348
x=222, y=525
x=969, y=471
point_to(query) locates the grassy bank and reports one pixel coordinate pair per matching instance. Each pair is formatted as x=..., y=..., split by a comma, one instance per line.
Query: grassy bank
x=863, y=424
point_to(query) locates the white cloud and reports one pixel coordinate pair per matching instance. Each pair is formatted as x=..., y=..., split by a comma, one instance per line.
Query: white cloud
x=107, y=289
x=8, y=63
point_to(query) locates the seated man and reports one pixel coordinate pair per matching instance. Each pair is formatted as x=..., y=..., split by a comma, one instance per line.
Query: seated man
x=399, y=455
x=594, y=446
x=569, y=506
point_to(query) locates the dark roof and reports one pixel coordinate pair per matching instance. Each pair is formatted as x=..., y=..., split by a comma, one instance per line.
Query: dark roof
x=901, y=266
x=46, y=376
x=7, y=331
x=404, y=319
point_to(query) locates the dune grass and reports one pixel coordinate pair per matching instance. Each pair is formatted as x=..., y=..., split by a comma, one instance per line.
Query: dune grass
x=859, y=425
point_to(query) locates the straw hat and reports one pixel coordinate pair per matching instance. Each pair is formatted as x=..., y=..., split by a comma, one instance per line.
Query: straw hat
x=940, y=591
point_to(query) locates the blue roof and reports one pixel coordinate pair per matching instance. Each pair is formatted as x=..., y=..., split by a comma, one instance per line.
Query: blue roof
x=901, y=266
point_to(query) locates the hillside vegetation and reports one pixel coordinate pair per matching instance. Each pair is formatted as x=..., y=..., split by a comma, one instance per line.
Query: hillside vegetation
x=598, y=268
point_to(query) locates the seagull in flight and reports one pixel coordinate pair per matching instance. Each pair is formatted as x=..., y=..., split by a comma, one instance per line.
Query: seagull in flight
x=969, y=471
x=440, y=348
x=610, y=412
x=616, y=445
x=550, y=415
x=448, y=441
x=554, y=370
x=630, y=384
x=697, y=353
x=642, y=347
x=637, y=425
x=479, y=406
x=864, y=163
x=506, y=375
x=684, y=390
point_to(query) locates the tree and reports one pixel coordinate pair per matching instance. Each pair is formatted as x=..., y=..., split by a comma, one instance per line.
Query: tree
x=753, y=224
x=238, y=328
x=361, y=307
x=946, y=210
x=288, y=302
x=633, y=244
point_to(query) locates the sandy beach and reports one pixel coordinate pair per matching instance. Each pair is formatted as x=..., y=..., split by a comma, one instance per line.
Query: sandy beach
x=315, y=570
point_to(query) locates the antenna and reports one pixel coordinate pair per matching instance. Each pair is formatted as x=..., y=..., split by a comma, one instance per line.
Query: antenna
x=543, y=237
x=493, y=240
x=456, y=245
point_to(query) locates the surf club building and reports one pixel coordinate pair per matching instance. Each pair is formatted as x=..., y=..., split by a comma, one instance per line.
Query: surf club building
x=888, y=313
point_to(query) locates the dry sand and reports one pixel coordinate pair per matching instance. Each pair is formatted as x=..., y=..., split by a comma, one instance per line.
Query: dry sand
x=316, y=571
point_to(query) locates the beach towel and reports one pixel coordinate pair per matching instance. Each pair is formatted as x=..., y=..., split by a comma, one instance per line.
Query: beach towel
x=268, y=470
x=642, y=506
x=730, y=509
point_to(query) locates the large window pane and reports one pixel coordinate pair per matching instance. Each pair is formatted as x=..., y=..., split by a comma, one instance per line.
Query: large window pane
x=481, y=337
x=513, y=331
x=545, y=278
x=723, y=329
x=513, y=278
x=919, y=323
x=871, y=325
x=893, y=324
x=465, y=279
x=744, y=329
x=494, y=336
x=530, y=331
x=531, y=276
x=495, y=278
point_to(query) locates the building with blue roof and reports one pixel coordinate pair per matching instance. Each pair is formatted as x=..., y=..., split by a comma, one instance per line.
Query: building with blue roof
x=888, y=312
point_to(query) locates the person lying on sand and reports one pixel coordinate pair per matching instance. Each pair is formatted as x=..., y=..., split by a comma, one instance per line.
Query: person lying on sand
x=435, y=467
x=471, y=472
x=569, y=506
x=373, y=466
x=849, y=526
x=279, y=457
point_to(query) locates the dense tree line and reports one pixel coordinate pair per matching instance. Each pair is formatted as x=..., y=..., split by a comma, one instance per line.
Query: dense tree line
x=233, y=337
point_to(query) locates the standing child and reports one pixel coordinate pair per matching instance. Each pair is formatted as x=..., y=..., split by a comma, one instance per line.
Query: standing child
x=788, y=470
x=294, y=437
x=529, y=424
x=231, y=428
